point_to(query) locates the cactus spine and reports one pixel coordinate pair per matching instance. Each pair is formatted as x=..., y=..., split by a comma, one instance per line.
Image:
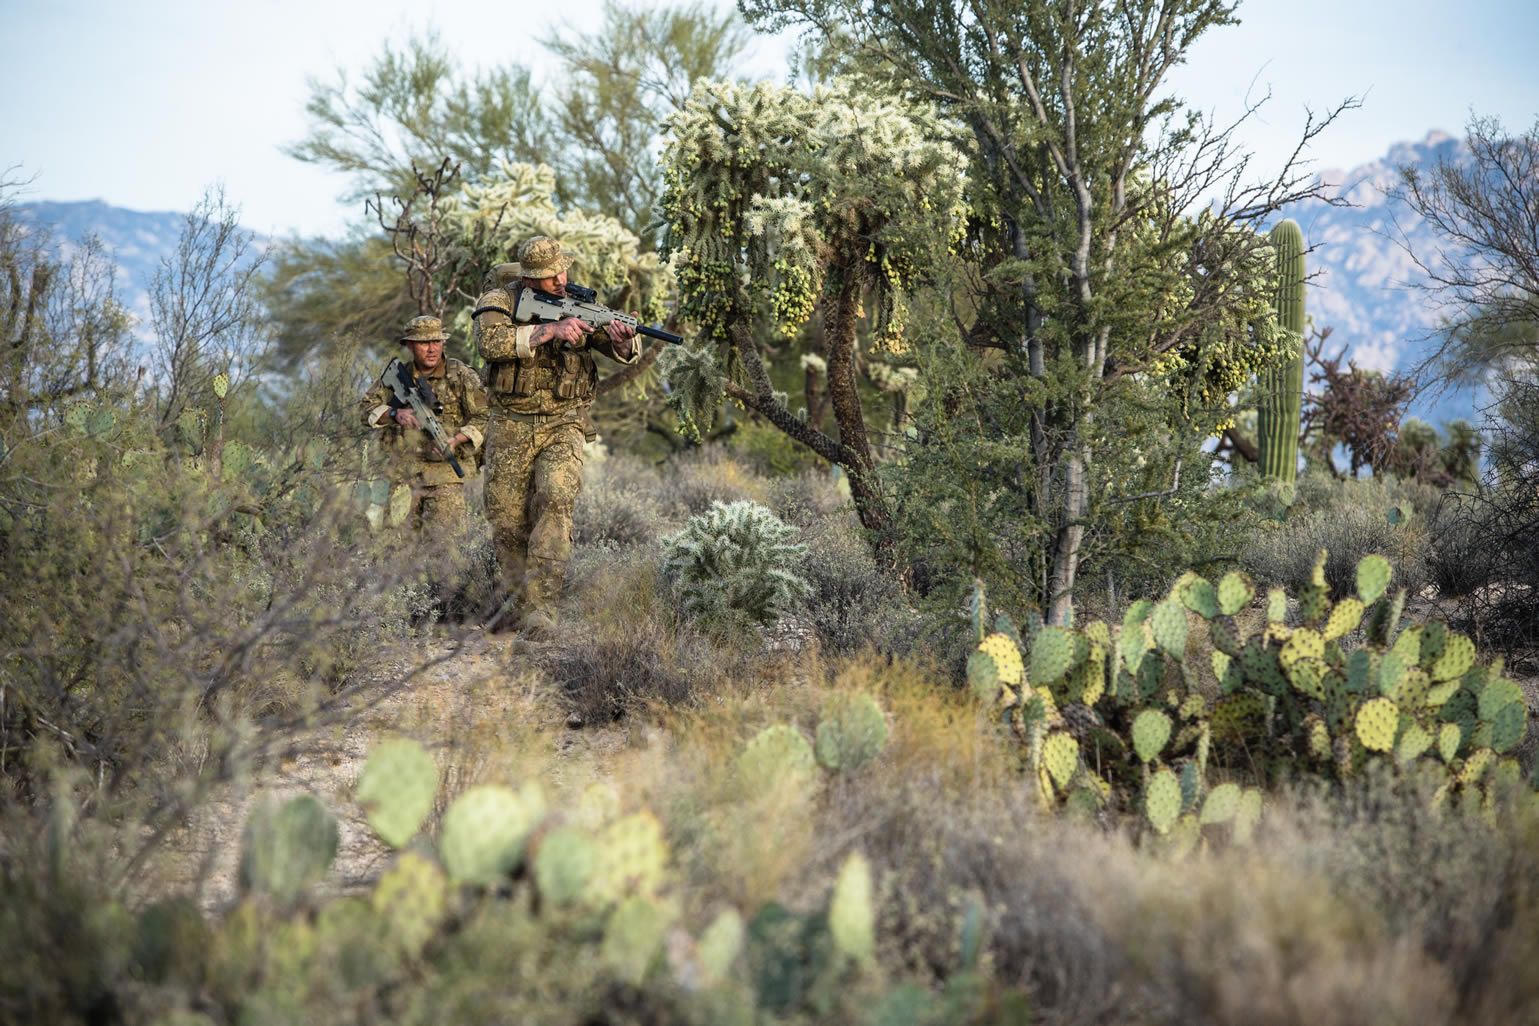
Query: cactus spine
x=1282, y=388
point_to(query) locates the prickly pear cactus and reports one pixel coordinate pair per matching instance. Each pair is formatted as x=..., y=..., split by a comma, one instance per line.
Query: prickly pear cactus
x=634, y=936
x=1120, y=717
x=720, y=945
x=852, y=912
x=853, y=731
x=484, y=831
x=411, y=901
x=564, y=863
x=397, y=789
x=776, y=756
x=1052, y=655
x=632, y=859
x=287, y=848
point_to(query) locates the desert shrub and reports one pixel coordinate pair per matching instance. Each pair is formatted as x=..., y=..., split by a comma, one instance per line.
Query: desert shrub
x=622, y=502
x=736, y=564
x=1349, y=519
x=802, y=499
x=1485, y=549
x=602, y=674
x=698, y=478
x=852, y=603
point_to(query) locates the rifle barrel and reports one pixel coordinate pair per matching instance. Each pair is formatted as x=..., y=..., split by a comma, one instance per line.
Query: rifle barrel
x=659, y=334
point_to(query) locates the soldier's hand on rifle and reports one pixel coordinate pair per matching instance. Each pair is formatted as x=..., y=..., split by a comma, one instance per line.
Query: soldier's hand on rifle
x=404, y=417
x=569, y=330
x=622, y=335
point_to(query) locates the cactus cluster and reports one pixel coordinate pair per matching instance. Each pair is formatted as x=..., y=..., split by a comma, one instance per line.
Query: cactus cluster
x=851, y=733
x=1123, y=714
x=734, y=563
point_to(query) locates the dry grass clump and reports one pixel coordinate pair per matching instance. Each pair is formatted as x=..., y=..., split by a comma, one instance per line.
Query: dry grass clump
x=623, y=503
x=1349, y=519
x=698, y=477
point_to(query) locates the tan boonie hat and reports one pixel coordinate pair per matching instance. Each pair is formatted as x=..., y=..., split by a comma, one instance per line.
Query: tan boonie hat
x=424, y=329
x=541, y=257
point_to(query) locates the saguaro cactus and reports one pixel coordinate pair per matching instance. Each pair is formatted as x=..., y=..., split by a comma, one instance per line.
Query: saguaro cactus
x=1281, y=389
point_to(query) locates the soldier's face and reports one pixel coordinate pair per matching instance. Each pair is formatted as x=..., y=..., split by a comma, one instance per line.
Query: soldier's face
x=556, y=285
x=426, y=355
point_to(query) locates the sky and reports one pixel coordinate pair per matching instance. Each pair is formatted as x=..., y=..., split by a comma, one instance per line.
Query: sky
x=146, y=104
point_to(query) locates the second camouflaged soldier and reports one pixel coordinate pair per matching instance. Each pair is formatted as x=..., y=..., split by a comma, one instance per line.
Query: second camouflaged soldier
x=540, y=380
x=438, y=493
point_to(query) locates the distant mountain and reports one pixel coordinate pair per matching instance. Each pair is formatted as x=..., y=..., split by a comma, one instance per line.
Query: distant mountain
x=1364, y=288
x=136, y=240
x=1361, y=289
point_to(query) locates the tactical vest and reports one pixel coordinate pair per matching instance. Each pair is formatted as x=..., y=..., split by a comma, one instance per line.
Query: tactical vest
x=553, y=378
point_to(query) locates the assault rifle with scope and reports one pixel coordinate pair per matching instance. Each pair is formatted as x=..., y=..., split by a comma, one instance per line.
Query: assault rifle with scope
x=582, y=303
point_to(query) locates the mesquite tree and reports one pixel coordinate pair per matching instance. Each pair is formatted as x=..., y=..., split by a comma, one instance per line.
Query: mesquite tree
x=1110, y=265
x=782, y=205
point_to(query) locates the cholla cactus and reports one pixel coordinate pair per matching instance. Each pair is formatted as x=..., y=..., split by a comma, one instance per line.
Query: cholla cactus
x=498, y=212
x=733, y=562
x=770, y=189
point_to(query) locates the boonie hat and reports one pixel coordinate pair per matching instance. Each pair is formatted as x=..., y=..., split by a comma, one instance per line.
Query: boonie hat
x=541, y=257
x=424, y=329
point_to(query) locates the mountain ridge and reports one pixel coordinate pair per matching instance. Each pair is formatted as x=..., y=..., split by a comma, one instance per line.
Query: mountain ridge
x=1362, y=284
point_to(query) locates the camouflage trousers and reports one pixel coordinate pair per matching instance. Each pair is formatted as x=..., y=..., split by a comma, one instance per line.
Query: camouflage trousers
x=439, y=510
x=533, y=475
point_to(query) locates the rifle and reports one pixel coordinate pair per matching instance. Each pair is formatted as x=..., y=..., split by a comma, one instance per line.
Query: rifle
x=582, y=303
x=409, y=391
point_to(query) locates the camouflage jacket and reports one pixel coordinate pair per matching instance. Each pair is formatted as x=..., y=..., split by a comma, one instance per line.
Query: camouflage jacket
x=460, y=391
x=544, y=379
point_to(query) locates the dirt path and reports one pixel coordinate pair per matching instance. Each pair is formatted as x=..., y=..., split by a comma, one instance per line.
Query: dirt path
x=475, y=696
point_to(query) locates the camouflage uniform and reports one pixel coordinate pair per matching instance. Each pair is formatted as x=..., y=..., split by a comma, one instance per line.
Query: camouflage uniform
x=438, y=493
x=540, y=398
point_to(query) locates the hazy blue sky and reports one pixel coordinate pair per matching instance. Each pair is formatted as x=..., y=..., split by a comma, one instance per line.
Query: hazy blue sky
x=144, y=104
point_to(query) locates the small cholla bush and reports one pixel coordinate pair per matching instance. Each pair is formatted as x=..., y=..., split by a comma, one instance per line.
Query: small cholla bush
x=733, y=562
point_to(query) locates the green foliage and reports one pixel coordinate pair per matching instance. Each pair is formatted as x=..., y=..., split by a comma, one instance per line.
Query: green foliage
x=734, y=564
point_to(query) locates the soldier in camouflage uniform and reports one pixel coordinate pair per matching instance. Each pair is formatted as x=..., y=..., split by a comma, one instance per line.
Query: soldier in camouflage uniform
x=541, y=379
x=438, y=493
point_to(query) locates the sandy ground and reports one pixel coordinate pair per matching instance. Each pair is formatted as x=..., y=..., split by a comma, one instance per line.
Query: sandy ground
x=476, y=682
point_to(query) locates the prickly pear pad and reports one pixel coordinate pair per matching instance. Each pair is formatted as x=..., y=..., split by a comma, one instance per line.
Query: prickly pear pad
x=485, y=829
x=397, y=789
